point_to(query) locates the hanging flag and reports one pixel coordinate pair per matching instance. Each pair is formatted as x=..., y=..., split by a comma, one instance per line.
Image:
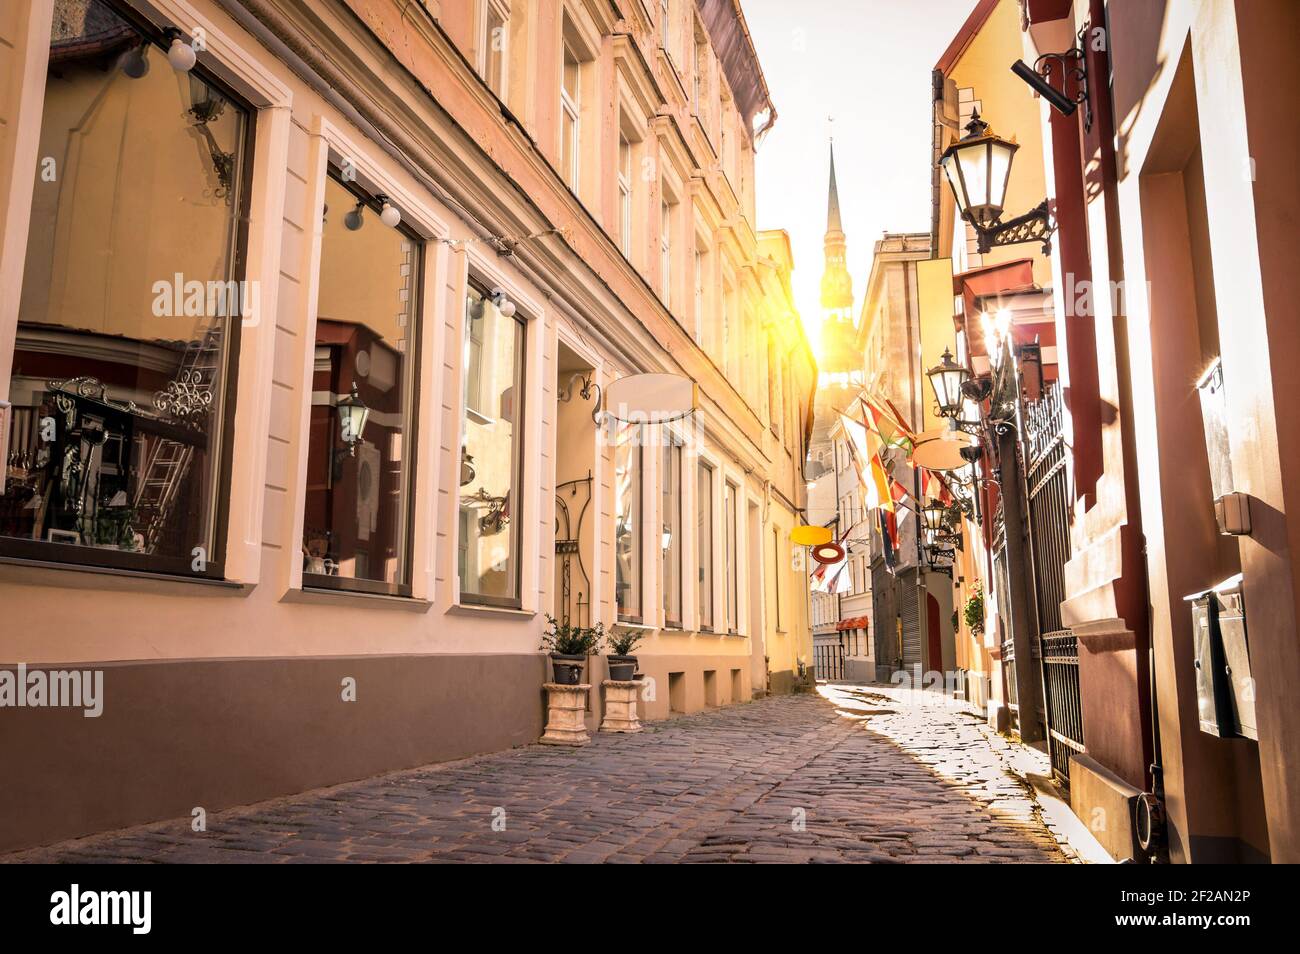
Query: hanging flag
x=890, y=427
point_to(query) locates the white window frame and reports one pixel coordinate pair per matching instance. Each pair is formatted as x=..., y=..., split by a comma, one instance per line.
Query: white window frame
x=571, y=109
x=501, y=8
x=625, y=193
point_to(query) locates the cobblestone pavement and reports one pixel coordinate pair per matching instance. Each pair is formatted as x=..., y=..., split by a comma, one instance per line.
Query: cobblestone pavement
x=858, y=774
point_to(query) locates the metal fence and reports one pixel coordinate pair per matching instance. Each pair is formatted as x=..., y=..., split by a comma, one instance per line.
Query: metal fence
x=1047, y=479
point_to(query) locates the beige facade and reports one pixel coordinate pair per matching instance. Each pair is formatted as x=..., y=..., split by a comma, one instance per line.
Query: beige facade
x=592, y=163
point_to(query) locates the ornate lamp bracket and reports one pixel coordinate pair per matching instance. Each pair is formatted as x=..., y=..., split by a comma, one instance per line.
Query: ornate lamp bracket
x=1036, y=225
x=1071, y=64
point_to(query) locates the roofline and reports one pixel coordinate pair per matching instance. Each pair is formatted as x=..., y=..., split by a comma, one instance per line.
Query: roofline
x=974, y=23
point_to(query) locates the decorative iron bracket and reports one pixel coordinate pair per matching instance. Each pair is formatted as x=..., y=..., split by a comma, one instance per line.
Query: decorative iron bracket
x=1036, y=225
x=1071, y=63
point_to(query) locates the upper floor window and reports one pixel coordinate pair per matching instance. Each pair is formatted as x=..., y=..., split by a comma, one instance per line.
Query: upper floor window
x=493, y=42
x=699, y=59
x=666, y=252
x=130, y=306
x=571, y=116
x=628, y=455
x=490, y=457
x=624, y=195
x=356, y=511
x=698, y=282
x=666, y=24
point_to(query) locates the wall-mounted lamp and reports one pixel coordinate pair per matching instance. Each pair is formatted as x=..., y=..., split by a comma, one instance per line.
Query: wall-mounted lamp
x=504, y=304
x=353, y=414
x=180, y=53
x=135, y=62
x=978, y=167
x=389, y=214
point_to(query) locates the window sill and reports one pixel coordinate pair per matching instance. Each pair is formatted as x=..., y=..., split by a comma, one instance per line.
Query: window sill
x=634, y=625
x=478, y=609
x=320, y=595
x=82, y=576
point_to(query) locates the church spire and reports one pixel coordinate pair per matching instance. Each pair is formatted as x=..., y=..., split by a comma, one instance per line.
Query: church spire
x=833, y=201
x=837, y=287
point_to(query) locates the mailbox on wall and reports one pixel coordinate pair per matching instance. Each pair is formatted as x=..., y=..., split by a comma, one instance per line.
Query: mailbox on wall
x=1225, y=691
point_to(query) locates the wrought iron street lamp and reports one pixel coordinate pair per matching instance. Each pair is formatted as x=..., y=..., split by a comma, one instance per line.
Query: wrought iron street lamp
x=353, y=414
x=932, y=517
x=946, y=378
x=978, y=167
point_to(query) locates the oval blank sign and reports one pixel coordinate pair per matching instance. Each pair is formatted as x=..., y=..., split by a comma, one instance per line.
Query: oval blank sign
x=810, y=536
x=650, y=398
x=940, y=454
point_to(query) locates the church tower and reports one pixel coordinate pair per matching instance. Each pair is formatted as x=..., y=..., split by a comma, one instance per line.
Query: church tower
x=837, y=331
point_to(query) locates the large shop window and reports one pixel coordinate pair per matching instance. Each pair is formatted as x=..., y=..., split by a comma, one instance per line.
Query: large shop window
x=628, y=455
x=488, y=554
x=128, y=320
x=670, y=483
x=357, y=514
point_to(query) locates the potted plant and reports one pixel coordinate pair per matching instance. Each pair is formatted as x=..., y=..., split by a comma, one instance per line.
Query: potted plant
x=974, y=609
x=569, y=647
x=622, y=664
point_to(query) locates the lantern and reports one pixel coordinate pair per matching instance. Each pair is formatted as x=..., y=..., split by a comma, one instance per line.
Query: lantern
x=946, y=378
x=978, y=166
x=352, y=419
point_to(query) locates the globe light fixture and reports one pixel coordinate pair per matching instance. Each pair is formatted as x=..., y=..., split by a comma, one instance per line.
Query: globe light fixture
x=389, y=214
x=135, y=63
x=355, y=219
x=180, y=54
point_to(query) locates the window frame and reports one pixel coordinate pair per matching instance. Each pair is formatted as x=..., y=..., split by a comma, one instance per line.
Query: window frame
x=673, y=450
x=47, y=553
x=482, y=285
x=501, y=10
x=730, y=555
x=624, y=185
x=705, y=480
x=638, y=446
x=411, y=433
x=571, y=109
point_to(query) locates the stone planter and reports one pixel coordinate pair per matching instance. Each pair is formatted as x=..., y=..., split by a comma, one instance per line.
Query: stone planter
x=620, y=706
x=566, y=711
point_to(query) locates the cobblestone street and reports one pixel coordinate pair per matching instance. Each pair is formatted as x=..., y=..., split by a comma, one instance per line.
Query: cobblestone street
x=857, y=774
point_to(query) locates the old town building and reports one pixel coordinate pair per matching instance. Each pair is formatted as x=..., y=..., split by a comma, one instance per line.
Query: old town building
x=308, y=312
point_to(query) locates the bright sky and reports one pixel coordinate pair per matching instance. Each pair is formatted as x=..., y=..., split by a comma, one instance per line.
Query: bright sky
x=867, y=63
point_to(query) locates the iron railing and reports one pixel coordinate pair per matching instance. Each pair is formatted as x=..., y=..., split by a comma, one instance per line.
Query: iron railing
x=1047, y=479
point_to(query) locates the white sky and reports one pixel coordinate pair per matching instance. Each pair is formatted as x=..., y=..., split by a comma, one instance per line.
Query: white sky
x=867, y=63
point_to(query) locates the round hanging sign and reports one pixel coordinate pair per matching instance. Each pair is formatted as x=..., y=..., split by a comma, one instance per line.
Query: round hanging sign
x=828, y=553
x=810, y=536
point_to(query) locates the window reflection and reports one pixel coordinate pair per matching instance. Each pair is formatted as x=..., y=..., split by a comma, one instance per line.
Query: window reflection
x=670, y=482
x=704, y=542
x=488, y=546
x=129, y=307
x=627, y=532
x=356, y=519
